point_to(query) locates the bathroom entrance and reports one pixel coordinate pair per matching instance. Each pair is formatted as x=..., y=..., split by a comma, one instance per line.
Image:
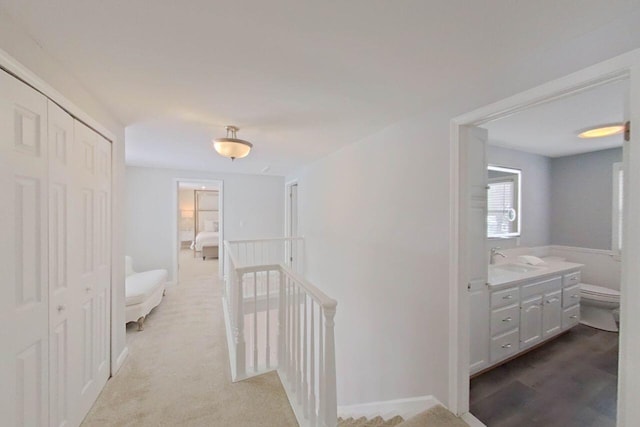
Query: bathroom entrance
x=540, y=249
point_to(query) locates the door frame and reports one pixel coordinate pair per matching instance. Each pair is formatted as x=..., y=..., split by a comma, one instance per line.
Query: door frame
x=626, y=66
x=287, y=206
x=175, y=216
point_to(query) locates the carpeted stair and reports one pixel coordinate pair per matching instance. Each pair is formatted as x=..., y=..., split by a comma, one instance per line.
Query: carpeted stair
x=438, y=416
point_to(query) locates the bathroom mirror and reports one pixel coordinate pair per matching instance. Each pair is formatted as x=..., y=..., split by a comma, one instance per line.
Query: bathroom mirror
x=503, y=207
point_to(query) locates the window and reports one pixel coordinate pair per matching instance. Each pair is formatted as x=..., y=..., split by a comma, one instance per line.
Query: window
x=503, y=202
x=618, y=203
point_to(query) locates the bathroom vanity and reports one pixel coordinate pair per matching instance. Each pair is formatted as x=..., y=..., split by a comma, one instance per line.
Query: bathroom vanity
x=521, y=307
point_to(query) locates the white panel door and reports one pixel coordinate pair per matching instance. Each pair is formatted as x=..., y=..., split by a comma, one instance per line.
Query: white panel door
x=63, y=312
x=91, y=220
x=474, y=207
x=24, y=302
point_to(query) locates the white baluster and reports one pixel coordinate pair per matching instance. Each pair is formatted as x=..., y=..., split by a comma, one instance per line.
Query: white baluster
x=241, y=371
x=268, y=351
x=312, y=369
x=330, y=396
x=296, y=335
x=321, y=370
x=299, y=347
x=305, y=386
x=255, y=322
x=281, y=322
x=290, y=331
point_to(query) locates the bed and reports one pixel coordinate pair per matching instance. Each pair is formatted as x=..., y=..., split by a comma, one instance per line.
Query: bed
x=207, y=226
x=206, y=243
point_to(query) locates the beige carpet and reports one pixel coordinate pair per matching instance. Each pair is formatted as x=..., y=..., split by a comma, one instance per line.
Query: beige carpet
x=438, y=416
x=177, y=373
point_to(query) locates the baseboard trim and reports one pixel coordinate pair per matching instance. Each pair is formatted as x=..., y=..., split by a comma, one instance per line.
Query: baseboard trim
x=406, y=408
x=120, y=360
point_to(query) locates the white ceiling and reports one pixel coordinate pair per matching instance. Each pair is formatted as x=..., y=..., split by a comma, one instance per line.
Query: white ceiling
x=300, y=78
x=551, y=129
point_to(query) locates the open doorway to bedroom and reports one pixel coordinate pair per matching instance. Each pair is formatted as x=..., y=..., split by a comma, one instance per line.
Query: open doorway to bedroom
x=199, y=225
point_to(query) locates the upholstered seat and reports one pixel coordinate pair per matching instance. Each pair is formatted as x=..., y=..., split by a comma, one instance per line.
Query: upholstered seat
x=143, y=292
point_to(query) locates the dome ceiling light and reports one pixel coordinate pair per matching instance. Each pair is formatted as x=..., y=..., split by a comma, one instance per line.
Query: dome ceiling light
x=231, y=146
x=602, y=131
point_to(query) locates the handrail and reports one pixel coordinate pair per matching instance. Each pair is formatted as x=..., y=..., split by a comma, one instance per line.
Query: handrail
x=319, y=296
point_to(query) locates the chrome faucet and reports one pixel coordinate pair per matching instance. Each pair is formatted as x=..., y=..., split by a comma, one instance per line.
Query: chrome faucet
x=494, y=252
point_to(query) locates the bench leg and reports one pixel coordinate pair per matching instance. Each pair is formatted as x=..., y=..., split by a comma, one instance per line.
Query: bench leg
x=141, y=324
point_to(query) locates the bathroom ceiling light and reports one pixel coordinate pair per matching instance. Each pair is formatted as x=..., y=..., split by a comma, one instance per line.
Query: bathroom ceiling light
x=231, y=146
x=602, y=131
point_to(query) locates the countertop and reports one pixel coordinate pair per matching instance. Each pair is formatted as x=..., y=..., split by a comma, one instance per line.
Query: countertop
x=500, y=278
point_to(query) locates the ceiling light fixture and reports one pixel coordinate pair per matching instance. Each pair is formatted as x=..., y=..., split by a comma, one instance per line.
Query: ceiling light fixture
x=602, y=131
x=231, y=146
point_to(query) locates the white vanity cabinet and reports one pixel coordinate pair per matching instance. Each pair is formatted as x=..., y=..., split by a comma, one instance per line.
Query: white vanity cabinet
x=522, y=314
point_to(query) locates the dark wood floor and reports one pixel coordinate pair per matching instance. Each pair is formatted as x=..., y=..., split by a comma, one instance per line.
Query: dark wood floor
x=568, y=382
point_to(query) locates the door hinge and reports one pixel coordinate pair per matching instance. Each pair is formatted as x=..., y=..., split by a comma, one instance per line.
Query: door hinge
x=468, y=286
x=627, y=131
x=291, y=259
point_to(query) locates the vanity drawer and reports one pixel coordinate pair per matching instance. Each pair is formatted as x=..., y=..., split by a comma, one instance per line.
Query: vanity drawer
x=542, y=287
x=504, y=297
x=570, y=317
x=505, y=319
x=504, y=345
x=571, y=279
x=570, y=296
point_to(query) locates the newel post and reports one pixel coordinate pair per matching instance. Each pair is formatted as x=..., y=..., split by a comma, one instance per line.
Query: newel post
x=241, y=361
x=331, y=399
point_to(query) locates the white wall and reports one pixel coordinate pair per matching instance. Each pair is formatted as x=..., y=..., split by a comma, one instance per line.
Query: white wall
x=582, y=199
x=253, y=208
x=376, y=218
x=29, y=53
x=536, y=195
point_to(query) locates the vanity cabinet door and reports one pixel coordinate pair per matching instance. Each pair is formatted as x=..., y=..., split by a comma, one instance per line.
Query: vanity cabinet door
x=552, y=314
x=531, y=322
x=479, y=322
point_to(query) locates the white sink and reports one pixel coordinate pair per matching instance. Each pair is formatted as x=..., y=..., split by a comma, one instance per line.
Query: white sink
x=516, y=268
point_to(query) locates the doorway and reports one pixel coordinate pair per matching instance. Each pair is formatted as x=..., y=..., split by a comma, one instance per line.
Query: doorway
x=199, y=229
x=620, y=68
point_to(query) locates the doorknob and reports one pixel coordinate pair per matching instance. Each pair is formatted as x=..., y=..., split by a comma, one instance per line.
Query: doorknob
x=61, y=308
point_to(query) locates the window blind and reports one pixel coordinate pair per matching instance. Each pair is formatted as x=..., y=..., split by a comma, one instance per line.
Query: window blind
x=500, y=201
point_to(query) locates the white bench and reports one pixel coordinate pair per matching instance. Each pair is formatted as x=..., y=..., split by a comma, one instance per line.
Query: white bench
x=143, y=292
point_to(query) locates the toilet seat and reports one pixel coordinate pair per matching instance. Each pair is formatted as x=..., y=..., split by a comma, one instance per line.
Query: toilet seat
x=599, y=293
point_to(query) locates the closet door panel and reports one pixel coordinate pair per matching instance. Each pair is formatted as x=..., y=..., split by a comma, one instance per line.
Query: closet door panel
x=63, y=314
x=24, y=299
x=92, y=218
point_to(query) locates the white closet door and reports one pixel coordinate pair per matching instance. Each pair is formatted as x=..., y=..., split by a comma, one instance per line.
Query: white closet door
x=91, y=192
x=24, y=305
x=63, y=313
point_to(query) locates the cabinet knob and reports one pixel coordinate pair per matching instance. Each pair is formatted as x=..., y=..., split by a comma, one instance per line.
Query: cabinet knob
x=506, y=345
x=573, y=317
x=507, y=297
x=508, y=319
x=575, y=296
x=61, y=308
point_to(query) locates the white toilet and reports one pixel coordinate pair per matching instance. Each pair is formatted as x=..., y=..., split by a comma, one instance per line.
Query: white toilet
x=597, y=305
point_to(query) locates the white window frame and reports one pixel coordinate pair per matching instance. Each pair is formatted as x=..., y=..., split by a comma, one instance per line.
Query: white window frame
x=518, y=189
x=617, y=209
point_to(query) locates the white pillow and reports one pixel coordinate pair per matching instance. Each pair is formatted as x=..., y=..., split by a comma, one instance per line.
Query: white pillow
x=209, y=225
